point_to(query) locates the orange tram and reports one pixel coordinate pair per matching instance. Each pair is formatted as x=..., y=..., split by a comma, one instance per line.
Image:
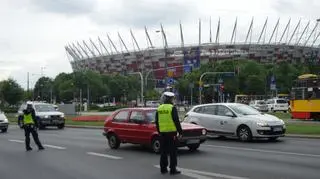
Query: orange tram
x=305, y=97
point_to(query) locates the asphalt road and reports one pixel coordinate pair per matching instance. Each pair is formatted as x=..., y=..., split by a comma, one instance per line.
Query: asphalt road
x=83, y=154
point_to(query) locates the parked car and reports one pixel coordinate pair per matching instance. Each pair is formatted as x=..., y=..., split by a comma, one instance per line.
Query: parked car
x=136, y=126
x=152, y=103
x=277, y=104
x=46, y=114
x=259, y=105
x=234, y=119
x=4, y=123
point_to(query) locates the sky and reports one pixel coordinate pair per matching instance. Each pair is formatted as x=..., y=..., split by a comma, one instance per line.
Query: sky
x=33, y=33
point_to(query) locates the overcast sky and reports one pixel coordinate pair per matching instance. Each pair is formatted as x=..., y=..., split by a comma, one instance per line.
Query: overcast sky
x=33, y=33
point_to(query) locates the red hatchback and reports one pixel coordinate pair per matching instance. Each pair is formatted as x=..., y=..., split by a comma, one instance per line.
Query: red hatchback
x=136, y=126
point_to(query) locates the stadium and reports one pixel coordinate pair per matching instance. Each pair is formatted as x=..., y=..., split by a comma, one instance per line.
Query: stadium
x=300, y=45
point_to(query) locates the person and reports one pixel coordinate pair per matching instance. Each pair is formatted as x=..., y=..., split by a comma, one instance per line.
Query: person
x=169, y=129
x=167, y=89
x=30, y=125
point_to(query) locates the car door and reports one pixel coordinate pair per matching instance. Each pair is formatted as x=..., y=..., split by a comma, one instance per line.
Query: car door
x=207, y=118
x=137, y=127
x=227, y=120
x=120, y=124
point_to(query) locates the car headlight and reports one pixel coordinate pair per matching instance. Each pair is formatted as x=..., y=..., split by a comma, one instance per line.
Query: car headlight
x=204, y=132
x=5, y=119
x=62, y=115
x=46, y=116
x=262, y=124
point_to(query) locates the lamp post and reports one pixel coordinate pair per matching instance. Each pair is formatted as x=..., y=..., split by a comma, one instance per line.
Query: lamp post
x=142, y=84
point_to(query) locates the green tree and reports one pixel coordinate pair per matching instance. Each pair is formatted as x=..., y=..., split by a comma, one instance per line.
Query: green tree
x=11, y=92
x=43, y=89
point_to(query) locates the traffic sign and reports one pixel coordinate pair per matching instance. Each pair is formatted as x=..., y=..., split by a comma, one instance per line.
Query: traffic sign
x=170, y=81
x=220, y=80
x=200, y=88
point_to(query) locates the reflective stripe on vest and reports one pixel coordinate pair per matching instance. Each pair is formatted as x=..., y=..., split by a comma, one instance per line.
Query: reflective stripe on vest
x=166, y=123
x=27, y=119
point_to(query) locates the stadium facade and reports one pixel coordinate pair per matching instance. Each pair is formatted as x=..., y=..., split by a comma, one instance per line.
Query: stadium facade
x=291, y=47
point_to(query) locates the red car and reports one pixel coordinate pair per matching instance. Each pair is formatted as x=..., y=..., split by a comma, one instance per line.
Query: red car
x=136, y=126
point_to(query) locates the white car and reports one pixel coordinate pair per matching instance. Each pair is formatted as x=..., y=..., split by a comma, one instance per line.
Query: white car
x=259, y=105
x=4, y=123
x=152, y=103
x=46, y=114
x=234, y=119
x=277, y=104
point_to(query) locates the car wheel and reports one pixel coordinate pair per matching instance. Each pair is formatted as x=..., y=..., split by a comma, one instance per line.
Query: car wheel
x=60, y=126
x=244, y=134
x=193, y=147
x=156, y=145
x=4, y=130
x=273, y=138
x=113, y=141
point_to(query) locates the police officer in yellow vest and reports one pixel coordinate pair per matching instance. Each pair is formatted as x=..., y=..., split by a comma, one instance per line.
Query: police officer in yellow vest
x=30, y=125
x=169, y=129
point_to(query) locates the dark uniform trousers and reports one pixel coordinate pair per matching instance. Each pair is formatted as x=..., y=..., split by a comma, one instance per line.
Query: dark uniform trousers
x=31, y=129
x=168, y=147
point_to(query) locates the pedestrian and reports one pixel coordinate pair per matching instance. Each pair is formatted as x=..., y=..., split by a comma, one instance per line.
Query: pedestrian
x=169, y=129
x=30, y=125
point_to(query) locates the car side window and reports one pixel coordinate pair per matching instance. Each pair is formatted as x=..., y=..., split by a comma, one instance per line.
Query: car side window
x=198, y=110
x=209, y=110
x=222, y=111
x=136, y=116
x=122, y=116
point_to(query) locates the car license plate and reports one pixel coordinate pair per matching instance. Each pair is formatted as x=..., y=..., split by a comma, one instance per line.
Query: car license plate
x=277, y=129
x=193, y=141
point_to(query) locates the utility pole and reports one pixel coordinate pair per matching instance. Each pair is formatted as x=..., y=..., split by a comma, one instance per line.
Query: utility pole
x=88, y=97
x=28, y=81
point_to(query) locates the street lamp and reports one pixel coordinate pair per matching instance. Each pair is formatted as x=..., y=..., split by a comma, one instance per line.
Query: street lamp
x=142, y=83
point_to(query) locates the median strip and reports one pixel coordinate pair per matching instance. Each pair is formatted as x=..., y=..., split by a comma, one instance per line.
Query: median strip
x=104, y=155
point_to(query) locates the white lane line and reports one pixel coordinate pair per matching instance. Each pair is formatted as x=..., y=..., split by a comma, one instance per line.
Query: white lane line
x=104, y=155
x=54, y=147
x=45, y=145
x=262, y=151
x=17, y=141
x=204, y=175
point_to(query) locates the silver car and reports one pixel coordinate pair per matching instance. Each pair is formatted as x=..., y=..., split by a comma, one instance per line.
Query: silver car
x=4, y=123
x=260, y=105
x=234, y=119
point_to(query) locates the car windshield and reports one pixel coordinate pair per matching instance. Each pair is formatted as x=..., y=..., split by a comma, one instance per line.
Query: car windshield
x=44, y=108
x=244, y=109
x=281, y=101
x=151, y=116
x=261, y=102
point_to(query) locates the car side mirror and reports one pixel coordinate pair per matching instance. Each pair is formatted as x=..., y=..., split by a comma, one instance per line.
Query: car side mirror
x=230, y=114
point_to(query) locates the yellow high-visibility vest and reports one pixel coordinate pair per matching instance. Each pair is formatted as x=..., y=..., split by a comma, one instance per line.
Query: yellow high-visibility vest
x=166, y=123
x=27, y=119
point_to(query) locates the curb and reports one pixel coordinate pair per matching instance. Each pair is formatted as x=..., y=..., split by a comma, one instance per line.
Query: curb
x=286, y=135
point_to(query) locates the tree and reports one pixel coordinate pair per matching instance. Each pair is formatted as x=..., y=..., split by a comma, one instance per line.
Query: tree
x=11, y=92
x=43, y=89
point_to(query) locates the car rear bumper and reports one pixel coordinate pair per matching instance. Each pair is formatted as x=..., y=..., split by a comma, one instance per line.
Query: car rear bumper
x=185, y=141
x=4, y=125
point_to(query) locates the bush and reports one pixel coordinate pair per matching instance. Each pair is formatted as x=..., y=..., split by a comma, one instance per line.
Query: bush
x=10, y=109
x=111, y=108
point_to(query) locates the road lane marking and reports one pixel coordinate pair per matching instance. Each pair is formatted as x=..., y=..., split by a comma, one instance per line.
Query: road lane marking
x=204, y=175
x=262, y=151
x=17, y=141
x=45, y=145
x=104, y=155
x=54, y=147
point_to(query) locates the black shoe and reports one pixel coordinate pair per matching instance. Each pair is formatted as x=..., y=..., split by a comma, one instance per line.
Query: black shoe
x=164, y=171
x=175, y=172
x=29, y=149
x=41, y=148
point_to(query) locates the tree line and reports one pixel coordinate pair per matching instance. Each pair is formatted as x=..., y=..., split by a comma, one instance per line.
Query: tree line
x=250, y=78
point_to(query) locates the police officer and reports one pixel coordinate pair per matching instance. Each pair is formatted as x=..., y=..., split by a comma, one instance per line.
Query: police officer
x=169, y=128
x=30, y=125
